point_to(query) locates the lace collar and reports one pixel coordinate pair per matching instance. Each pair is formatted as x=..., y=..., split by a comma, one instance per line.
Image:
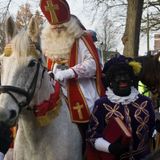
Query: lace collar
x=124, y=100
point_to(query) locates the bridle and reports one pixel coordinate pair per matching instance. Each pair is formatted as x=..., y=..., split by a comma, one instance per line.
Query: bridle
x=28, y=94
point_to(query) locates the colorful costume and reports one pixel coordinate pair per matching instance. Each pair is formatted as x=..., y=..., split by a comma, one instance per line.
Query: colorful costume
x=76, y=65
x=140, y=112
x=124, y=101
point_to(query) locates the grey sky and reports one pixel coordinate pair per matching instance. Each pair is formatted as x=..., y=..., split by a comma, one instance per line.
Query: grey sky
x=76, y=7
x=81, y=12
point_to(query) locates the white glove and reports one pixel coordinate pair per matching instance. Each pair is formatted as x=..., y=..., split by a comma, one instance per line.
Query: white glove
x=64, y=74
x=101, y=145
x=1, y=156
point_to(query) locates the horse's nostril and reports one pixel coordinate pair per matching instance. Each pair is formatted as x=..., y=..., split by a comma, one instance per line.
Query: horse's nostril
x=12, y=114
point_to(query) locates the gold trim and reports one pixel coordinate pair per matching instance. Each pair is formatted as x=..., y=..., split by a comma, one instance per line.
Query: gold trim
x=84, y=121
x=68, y=9
x=51, y=8
x=92, y=53
x=132, y=153
x=78, y=107
x=77, y=45
x=8, y=50
x=50, y=115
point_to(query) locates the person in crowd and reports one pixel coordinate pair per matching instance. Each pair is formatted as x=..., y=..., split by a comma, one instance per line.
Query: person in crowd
x=73, y=60
x=94, y=38
x=5, y=140
x=122, y=100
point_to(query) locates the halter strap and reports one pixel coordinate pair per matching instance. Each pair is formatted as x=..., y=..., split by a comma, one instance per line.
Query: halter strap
x=28, y=94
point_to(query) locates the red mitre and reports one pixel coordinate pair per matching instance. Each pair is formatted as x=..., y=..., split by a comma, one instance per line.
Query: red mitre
x=56, y=11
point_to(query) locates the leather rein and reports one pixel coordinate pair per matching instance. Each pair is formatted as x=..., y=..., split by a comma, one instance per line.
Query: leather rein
x=28, y=94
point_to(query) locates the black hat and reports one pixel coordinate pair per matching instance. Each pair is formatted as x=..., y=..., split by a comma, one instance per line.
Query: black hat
x=121, y=63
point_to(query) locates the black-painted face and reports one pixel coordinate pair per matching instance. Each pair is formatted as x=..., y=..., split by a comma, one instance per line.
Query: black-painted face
x=121, y=83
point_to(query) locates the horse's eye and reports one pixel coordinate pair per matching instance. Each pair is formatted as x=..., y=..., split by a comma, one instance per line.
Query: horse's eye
x=32, y=63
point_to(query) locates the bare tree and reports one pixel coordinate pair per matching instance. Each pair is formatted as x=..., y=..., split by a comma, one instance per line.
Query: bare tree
x=105, y=6
x=154, y=14
x=133, y=22
x=107, y=35
x=132, y=29
x=4, y=9
x=23, y=16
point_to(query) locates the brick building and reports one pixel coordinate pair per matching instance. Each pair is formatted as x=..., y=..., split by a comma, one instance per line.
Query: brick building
x=157, y=41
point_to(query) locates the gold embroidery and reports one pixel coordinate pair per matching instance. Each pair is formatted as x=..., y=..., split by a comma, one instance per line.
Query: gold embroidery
x=51, y=9
x=8, y=50
x=79, y=107
x=61, y=61
x=112, y=111
x=141, y=109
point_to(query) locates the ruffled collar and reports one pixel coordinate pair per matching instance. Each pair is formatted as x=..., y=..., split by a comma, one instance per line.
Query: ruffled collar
x=124, y=100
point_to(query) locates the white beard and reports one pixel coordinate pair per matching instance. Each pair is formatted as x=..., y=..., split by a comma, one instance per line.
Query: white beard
x=57, y=44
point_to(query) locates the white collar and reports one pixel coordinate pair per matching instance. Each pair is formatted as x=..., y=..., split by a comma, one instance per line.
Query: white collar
x=124, y=100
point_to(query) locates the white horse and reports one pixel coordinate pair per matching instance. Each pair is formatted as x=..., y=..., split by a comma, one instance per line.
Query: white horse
x=25, y=83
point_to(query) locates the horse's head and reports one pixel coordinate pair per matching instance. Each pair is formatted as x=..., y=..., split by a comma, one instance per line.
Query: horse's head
x=21, y=74
x=150, y=73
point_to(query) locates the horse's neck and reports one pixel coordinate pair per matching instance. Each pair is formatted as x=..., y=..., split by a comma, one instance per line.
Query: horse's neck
x=44, y=89
x=28, y=129
x=28, y=122
x=32, y=134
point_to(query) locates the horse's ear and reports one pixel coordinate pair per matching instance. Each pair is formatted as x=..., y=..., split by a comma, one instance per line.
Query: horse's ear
x=10, y=29
x=33, y=29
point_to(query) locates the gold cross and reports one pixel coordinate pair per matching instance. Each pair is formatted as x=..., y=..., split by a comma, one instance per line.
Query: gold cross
x=51, y=9
x=79, y=107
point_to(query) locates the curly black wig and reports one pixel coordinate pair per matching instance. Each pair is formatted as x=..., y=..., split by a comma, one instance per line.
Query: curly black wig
x=116, y=64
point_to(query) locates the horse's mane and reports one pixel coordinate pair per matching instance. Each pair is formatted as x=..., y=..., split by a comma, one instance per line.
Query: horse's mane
x=21, y=45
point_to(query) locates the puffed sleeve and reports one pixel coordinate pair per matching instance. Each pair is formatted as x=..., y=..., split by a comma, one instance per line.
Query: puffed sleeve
x=96, y=123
